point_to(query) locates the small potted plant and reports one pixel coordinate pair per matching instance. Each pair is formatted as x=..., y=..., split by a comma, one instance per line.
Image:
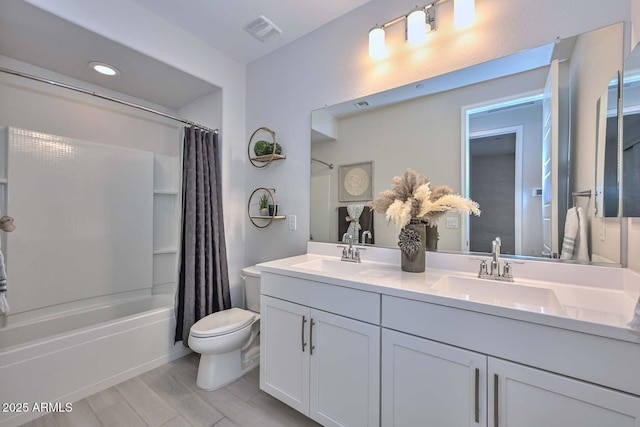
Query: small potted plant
x=263, y=202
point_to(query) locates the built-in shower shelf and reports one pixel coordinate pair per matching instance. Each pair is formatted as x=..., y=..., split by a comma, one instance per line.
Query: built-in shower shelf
x=166, y=192
x=161, y=251
x=3, y=181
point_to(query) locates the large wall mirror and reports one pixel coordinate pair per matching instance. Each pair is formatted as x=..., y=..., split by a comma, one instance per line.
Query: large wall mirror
x=517, y=134
x=631, y=136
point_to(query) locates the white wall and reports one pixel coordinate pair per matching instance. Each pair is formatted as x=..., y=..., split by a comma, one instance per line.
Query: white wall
x=131, y=25
x=589, y=78
x=331, y=65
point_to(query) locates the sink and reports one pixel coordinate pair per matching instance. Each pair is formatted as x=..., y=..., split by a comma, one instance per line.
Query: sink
x=516, y=295
x=332, y=266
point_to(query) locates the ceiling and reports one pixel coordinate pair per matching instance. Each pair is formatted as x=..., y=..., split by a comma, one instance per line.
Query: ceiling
x=31, y=35
x=219, y=22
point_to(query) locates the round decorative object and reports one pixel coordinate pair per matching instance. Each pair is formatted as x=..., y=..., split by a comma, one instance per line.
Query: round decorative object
x=270, y=150
x=409, y=241
x=356, y=181
x=270, y=217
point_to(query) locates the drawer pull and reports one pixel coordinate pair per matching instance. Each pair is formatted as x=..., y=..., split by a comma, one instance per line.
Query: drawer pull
x=311, y=347
x=495, y=400
x=477, y=395
x=304, y=344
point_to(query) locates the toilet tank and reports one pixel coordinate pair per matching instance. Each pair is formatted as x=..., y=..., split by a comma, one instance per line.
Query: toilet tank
x=252, y=288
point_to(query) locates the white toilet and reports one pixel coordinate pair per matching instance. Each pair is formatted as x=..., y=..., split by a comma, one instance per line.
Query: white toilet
x=227, y=340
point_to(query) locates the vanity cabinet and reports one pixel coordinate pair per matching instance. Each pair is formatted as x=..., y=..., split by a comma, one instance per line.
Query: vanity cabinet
x=425, y=383
x=445, y=366
x=520, y=396
x=325, y=365
x=429, y=383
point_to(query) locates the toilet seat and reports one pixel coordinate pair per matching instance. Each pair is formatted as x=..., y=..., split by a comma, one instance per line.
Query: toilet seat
x=222, y=323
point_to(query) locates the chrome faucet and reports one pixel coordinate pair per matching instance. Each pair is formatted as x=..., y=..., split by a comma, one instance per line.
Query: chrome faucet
x=494, y=270
x=350, y=253
x=495, y=254
x=366, y=234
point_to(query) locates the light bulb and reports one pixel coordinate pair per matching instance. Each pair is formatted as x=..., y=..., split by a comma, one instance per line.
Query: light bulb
x=464, y=12
x=377, y=48
x=416, y=27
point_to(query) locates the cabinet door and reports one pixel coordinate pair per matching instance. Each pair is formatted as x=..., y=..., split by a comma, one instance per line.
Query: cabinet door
x=520, y=396
x=345, y=371
x=425, y=383
x=284, y=352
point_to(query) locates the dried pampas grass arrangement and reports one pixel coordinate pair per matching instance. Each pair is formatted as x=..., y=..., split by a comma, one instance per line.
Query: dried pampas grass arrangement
x=412, y=197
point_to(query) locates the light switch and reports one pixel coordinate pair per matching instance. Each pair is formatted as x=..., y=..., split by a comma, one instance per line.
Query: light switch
x=292, y=222
x=452, y=222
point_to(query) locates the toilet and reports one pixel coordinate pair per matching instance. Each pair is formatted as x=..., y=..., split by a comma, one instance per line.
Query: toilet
x=228, y=340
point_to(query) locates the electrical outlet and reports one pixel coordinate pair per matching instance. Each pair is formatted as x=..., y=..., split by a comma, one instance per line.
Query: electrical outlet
x=452, y=222
x=292, y=222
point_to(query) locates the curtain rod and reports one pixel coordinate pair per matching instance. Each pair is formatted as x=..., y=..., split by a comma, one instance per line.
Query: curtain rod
x=108, y=98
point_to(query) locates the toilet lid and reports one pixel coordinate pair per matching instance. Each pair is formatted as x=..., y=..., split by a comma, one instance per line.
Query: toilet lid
x=222, y=322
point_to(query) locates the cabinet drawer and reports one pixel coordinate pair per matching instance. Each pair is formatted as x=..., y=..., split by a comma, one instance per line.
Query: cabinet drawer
x=347, y=302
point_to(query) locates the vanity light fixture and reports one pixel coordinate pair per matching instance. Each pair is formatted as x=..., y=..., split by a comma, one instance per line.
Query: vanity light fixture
x=377, y=47
x=103, y=68
x=464, y=12
x=419, y=22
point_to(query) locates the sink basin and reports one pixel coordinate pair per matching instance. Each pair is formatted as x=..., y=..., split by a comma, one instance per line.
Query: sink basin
x=504, y=294
x=332, y=266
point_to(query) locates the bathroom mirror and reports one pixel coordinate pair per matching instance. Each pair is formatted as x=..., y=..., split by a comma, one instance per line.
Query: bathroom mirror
x=607, y=162
x=631, y=136
x=427, y=126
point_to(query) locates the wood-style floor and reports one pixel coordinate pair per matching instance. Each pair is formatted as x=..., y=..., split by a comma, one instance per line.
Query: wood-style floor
x=168, y=396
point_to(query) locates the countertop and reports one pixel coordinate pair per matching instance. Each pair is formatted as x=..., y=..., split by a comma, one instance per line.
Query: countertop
x=593, y=310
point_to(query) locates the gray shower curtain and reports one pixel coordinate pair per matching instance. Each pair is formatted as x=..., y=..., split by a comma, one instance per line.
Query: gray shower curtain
x=203, y=284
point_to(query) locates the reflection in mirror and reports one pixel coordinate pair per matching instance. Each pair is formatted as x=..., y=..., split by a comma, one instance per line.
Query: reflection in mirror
x=607, y=182
x=500, y=131
x=631, y=136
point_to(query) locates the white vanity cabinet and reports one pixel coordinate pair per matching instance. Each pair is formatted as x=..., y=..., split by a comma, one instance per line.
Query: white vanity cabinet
x=429, y=383
x=521, y=396
x=425, y=382
x=313, y=357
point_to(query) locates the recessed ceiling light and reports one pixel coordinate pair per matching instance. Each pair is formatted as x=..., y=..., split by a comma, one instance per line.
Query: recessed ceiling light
x=102, y=68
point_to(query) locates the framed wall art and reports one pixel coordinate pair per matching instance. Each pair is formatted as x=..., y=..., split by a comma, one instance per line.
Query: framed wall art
x=355, y=182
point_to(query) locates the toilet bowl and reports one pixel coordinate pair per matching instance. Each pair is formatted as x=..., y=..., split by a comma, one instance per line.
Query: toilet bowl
x=227, y=340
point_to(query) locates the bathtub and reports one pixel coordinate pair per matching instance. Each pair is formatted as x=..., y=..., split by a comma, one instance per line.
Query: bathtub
x=62, y=358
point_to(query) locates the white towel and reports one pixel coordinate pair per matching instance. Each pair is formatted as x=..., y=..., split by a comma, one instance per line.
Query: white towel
x=581, y=244
x=574, y=245
x=4, y=305
x=354, y=212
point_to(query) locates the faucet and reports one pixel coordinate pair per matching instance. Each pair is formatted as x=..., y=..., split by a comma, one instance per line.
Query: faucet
x=495, y=255
x=494, y=270
x=350, y=253
x=366, y=234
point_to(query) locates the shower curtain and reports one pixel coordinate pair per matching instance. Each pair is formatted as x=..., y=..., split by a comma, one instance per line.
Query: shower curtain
x=203, y=284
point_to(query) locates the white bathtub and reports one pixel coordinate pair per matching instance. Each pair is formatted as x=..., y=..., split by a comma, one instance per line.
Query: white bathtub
x=64, y=358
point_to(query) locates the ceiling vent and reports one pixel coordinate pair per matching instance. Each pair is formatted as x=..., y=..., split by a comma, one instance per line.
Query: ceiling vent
x=361, y=104
x=262, y=29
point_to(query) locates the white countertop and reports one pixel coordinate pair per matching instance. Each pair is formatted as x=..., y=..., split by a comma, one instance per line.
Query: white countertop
x=598, y=310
